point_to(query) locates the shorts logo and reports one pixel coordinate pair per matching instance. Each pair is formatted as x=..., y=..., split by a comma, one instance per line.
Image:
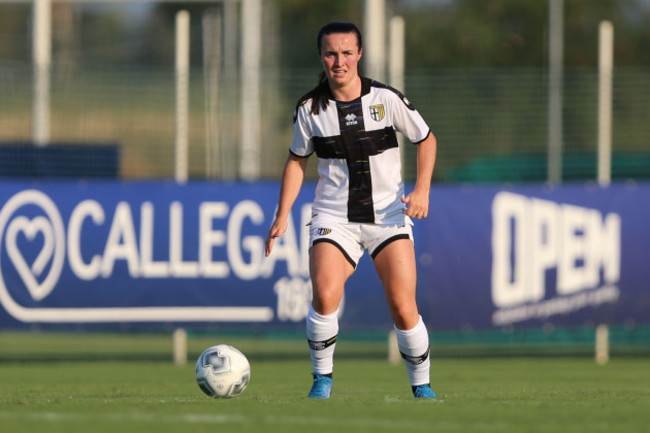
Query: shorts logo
x=377, y=112
x=321, y=231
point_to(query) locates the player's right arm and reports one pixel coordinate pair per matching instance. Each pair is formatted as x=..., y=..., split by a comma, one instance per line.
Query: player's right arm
x=292, y=178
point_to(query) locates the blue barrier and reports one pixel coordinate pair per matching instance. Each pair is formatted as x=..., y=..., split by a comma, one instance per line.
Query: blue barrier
x=59, y=160
x=109, y=252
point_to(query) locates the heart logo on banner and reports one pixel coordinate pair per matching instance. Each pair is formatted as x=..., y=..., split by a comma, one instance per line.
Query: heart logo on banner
x=30, y=274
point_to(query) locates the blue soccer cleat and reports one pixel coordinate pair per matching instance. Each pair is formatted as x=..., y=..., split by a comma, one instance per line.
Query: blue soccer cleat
x=322, y=387
x=423, y=391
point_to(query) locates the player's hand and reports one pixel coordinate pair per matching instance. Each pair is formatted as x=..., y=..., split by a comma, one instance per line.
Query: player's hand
x=417, y=204
x=277, y=229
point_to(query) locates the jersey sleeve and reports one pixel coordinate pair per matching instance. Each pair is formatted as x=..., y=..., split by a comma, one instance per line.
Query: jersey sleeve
x=407, y=120
x=301, y=143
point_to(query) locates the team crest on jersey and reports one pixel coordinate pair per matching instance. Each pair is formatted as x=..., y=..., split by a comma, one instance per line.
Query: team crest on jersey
x=377, y=112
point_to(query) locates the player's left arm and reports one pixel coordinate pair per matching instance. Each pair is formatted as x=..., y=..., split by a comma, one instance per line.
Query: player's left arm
x=417, y=201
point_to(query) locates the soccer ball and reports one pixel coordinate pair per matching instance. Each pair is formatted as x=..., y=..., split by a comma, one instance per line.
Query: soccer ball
x=222, y=371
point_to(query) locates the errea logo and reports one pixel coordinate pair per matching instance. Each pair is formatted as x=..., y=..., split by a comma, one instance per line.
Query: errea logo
x=350, y=120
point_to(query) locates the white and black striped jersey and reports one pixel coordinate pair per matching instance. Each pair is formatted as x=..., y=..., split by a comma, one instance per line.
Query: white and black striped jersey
x=359, y=162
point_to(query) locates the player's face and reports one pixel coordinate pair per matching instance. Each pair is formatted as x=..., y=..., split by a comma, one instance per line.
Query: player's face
x=340, y=55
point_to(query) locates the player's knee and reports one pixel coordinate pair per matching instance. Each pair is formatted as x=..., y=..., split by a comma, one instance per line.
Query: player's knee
x=326, y=301
x=405, y=315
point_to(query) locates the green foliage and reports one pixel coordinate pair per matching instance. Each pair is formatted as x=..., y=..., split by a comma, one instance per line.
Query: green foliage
x=451, y=33
x=507, y=33
x=476, y=71
x=14, y=25
x=300, y=22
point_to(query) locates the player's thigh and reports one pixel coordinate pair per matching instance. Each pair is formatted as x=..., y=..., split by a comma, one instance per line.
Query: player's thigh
x=395, y=265
x=329, y=269
x=396, y=268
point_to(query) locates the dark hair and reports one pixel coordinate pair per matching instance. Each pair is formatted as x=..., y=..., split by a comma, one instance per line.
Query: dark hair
x=338, y=27
x=321, y=93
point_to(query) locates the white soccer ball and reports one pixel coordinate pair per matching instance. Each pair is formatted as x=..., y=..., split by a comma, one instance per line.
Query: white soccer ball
x=222, y=371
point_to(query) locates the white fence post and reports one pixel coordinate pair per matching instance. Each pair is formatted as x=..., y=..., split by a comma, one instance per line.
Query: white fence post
x=180, y=346
x=393, y=349
x=605, y=70
x=602, y=344
x=250, y=158
x=182, y=96
x=42, y=55
x=396, y=57
x=374, y=21
x=211, y=75
x=555, y=89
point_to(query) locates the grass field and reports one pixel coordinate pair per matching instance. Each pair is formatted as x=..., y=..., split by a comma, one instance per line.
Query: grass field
x=101, y=383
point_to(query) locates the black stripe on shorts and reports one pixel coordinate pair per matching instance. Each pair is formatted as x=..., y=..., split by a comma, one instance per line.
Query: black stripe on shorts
x=348, y=258
x=388, y=241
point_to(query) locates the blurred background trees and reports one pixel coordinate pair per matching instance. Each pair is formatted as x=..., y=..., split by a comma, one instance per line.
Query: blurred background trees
x=440, y=33
x=477, y=70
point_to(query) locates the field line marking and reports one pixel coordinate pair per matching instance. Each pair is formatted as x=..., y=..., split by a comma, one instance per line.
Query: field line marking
x=124, y=416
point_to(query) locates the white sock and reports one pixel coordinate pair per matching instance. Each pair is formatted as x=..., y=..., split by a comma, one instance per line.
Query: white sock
x=322, y=331
x=414, y=347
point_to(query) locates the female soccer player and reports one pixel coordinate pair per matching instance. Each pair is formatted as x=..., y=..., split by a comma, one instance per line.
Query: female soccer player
x=350, y=122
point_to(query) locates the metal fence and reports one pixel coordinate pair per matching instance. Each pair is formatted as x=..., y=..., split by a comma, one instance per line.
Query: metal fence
x=491, y=124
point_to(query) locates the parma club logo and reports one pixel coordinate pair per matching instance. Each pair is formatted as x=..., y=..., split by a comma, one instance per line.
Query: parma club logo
x=322, y=231
x=377, y=112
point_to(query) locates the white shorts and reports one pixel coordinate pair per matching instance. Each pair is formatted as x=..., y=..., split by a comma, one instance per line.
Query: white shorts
x=353, y=238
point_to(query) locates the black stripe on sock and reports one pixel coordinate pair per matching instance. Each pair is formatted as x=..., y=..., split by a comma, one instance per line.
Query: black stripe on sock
x=321, y=345
x=416, y=360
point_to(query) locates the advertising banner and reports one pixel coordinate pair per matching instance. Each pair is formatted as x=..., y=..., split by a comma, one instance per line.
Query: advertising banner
x=110, y=252
x=530, y=255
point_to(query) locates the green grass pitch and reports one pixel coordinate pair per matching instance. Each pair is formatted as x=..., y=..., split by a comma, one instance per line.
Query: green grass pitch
x=102, y=383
